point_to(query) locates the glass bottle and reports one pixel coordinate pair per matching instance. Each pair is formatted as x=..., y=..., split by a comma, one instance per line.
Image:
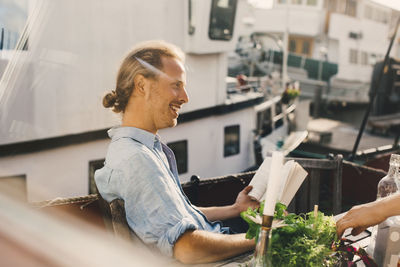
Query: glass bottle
x=262, y=253
x=391, y=182
x=388, y=185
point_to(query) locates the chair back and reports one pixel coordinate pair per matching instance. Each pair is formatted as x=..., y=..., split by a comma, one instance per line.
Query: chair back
x=118, y=219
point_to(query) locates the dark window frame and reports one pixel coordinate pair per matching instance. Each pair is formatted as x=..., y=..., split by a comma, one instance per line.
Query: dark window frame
x=215, y=15
x=278, y=113
x=182, y=164
x=264, y=122
x=228, y=144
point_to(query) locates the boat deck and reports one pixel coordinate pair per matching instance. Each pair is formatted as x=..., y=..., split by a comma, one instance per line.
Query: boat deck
x=330, y=136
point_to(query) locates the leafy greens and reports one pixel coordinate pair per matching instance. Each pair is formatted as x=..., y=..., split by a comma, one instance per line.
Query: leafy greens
x=305, y=240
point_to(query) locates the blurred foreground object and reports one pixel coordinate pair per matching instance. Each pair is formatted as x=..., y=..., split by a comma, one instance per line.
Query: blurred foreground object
x=30, y=237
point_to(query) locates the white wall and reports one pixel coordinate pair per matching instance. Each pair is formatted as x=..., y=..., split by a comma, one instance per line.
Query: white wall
x=374, y=40
x=75, y=50
x=206, y=84
x=61, y=172
x=301, y=20
x=333, y=50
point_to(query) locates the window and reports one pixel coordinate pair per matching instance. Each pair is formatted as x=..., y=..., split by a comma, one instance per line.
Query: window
x=330, y=5
x=93, y=166
x=380, y=16
x=341, y=6
x=372, y=59
x=385, y=18
x=306, y=48
x=351, y=7
x=296, y=2
x=347, y=7
x=368, y=12
x=232, y=140
x=264, y=122
x=364, y=58
x=301, y=45
x=222, y=19
x=292, y=46
x=14, y=187
x=13, y=19
x=355, y=35
x=353, y=58
x=180, y=149
x=278, y=113
x=376, y=14
x=311, y=2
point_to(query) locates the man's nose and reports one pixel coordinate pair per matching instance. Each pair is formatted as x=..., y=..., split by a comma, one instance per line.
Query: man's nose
x=183, y=96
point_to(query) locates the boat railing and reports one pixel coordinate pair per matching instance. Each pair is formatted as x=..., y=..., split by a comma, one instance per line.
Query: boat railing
x=248, y=86
x=329, y=180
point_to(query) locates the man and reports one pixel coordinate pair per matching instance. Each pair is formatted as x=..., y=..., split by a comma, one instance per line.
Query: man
x=363, y=216
x=149, y=93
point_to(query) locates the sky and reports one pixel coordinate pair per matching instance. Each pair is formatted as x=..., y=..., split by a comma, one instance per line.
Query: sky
x=13, y=14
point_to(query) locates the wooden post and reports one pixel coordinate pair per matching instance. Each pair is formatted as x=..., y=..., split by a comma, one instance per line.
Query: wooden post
x=317, y=101
x=302, y=197
x=337, y=185
x=315, y=177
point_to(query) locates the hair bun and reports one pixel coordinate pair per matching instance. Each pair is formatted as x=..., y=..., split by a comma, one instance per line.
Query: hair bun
x=110, y=99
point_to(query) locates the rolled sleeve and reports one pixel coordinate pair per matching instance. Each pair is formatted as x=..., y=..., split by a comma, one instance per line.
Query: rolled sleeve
x=167, y=241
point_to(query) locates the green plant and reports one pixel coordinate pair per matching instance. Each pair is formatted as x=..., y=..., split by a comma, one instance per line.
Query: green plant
x=304, y=240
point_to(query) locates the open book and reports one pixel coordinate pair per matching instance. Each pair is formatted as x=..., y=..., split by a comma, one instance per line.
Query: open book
x=292, y=176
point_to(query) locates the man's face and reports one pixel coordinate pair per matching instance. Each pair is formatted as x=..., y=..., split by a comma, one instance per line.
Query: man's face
x=167, y=94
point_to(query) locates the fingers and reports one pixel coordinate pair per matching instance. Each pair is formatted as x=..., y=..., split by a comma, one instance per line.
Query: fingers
x=341, y=226
x=344, y=224
x=247, y=189
x=339, y=231
x=357, y=230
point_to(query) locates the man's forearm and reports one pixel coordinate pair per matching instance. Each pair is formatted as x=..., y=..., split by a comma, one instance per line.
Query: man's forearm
x=201, y=246
x=220, y=213
x=362, y=216
x=389, y=206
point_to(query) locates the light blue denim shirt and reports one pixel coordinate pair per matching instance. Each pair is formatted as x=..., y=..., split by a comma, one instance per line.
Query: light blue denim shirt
x=142, y=171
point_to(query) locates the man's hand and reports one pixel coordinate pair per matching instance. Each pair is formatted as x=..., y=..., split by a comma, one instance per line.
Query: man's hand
x=362, y=216
x=244, y=201
x=359, y=218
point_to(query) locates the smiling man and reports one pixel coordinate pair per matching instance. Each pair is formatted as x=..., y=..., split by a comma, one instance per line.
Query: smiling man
x=141, y=170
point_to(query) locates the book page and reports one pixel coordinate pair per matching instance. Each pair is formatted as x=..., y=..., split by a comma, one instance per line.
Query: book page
x=292, y=177
x=274, y=183
x=287, y=170
x=260, y=180
x=294, y=181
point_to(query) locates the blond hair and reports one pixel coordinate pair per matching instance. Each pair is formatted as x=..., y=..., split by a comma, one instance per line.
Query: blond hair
x=150, y=53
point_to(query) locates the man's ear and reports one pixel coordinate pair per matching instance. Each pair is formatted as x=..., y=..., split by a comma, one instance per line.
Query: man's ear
x=140, y=84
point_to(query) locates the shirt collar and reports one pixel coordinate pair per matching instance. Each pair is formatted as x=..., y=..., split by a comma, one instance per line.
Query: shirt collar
x=146, y=138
